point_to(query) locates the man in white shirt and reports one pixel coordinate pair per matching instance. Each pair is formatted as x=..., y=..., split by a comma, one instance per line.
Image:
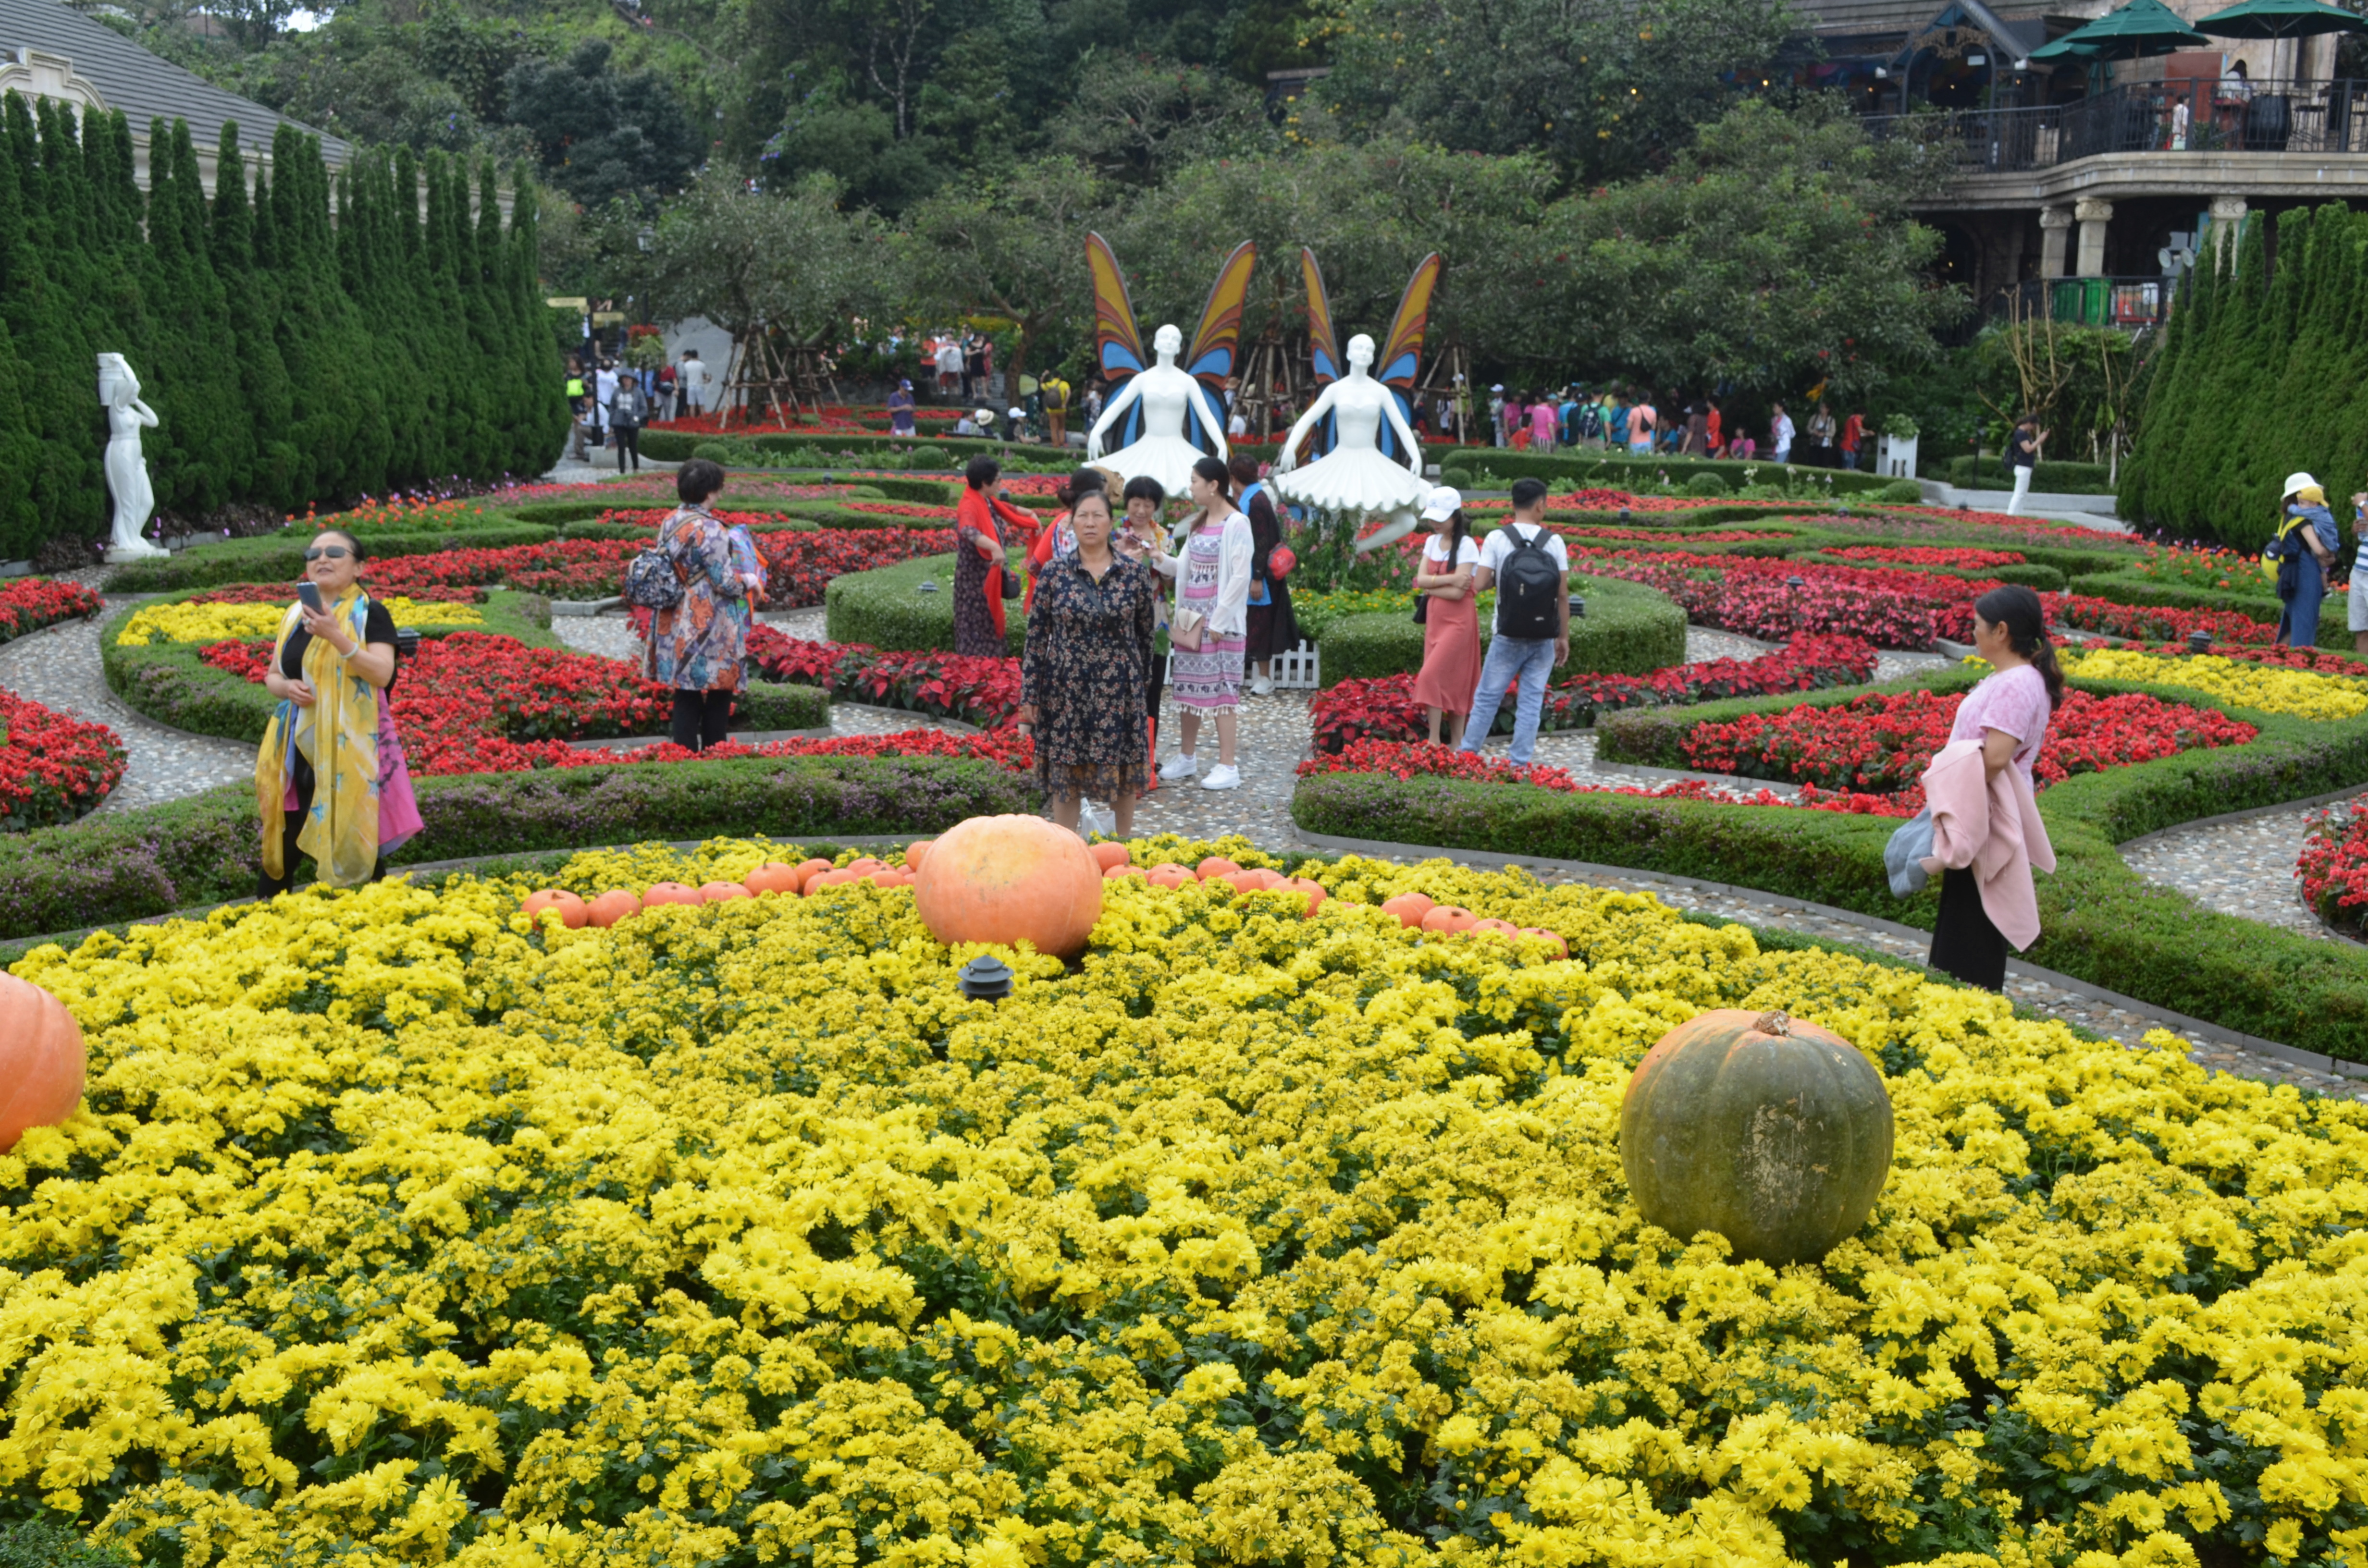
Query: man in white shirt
x=604, y=392
x=949, y=365
x=690, y=380
x=1528, y=658
x=1780, y=435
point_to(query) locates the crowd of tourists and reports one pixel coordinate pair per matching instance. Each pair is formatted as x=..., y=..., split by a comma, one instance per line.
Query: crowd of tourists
x=1621, y=418
x=609, y=404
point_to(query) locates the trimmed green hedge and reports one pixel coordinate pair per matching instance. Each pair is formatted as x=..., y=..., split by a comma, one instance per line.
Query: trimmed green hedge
x=1623, y=473
x=780, y=522
x=2126, y=587
x=888, y=608
x=675, y=446
x=131, y=864
x=1628, y=630
x=2046, y=579
x=1990, y=473
x=2101, y=922
x=279, y=557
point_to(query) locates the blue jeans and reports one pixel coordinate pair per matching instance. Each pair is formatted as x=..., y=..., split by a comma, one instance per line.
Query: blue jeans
x=2298, y=622
x=1529, y=660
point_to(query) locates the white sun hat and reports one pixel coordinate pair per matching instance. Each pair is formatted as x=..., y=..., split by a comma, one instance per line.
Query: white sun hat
x=2296, y=482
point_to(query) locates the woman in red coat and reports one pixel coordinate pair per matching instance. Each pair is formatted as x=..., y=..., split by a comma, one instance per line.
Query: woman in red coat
x=979, y=519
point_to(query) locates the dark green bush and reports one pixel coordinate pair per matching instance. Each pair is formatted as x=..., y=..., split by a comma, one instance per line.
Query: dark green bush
x=889, y=609
x=279, y=557
x=1628, y=630
x=1706, y=484
x=1990, y=473
x=1899, y=493
x=43, y=1543
x=1620, y=473
x=121, y=865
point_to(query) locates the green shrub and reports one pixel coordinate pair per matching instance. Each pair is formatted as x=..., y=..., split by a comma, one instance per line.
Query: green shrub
x=932, y=458
x=889, y=609
x=130, y=865
x=1628, y=630
x=670, y=446
x=1990, y=473
x=779, y=522
x=279, y=557
x=1492, y=468
x=921, y=492
x=1706, y=484
x=43, y=1543
x=765, y=705
x=731, y=454
x=1899, y=493
x=2046, y=579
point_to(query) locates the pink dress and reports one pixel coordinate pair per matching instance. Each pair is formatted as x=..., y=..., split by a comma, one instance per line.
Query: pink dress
x=1450, y=637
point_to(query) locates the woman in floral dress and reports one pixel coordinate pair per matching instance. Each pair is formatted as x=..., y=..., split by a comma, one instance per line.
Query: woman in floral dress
x=698, y=646
x=1082, y=678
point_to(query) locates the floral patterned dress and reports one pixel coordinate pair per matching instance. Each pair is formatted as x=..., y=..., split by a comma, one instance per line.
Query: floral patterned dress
x=1084, y=675
x=700, y=644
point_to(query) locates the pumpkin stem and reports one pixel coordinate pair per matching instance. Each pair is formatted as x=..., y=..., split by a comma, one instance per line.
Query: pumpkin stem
x=1773, y=1023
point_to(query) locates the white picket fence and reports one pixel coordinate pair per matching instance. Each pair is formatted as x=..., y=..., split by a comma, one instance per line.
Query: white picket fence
x=1296, y=671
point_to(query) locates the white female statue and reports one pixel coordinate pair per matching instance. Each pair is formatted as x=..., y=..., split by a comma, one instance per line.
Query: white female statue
x=127, y=470
x=1170, y=400
x=1164, y=405
x=1354, y=480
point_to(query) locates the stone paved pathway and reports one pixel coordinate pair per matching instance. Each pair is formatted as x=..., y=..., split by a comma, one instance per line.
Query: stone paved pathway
x=2245, y=868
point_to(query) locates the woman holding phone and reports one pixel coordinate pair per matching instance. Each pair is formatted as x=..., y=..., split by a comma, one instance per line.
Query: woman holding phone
x=330, y=781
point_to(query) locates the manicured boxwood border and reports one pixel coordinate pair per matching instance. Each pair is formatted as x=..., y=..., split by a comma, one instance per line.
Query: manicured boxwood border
x=887, y=608
x=136, y=864
x=1490, y=462
x=675, y=446
x=2046, y=579
x=279, y=557
x=2101, y=921
x=1628, y=630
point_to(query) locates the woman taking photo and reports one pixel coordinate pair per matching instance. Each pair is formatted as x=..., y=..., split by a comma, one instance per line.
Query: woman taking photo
x=1270, y=629
x=1989, y=902
x=1205, y=631
x=1451, y=616
x=979, y=567
x=1082, y=677
x=331, y=669
x=698, y=647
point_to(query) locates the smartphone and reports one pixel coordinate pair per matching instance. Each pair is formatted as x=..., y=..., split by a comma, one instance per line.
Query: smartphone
x=311, y=593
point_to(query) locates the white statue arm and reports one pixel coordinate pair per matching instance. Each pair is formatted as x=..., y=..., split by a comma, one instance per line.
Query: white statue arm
x=1398, y=424
x=141, y=412
x=1200, y=406
x=1288, y=458
x=1111, y=411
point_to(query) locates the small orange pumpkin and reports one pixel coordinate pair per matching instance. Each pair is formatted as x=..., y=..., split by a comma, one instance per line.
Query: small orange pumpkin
x=1504, y=929
x=719, y=892
x=571, y=913
x=41, y=1060
x=1121, y=873
x=1214, y=866
x=1008, y=879
x=616, y=904
x=772, y=877
x=838, y=877
x=1562, y=948
x=809, y=870
x=1110, y=853
x=864, y=865
x=1450, y=918
x=915, y=851
x=1410, y=908
x=671, y=893
x=1168, y=874
x=1312, y=888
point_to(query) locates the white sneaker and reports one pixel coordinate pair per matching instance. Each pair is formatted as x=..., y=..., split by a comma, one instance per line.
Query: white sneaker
x=1180, y=766
x=1262, y=687
x=1224, y=775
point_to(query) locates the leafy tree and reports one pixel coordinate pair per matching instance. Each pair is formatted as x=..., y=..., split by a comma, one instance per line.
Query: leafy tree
x=600, y=133
x=1011, y=245
x=267, y=399
x=1136, y=117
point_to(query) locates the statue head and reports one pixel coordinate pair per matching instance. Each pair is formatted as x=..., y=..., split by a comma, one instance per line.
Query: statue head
x=1360, y=352
x=116, y=381
x=1167, y=342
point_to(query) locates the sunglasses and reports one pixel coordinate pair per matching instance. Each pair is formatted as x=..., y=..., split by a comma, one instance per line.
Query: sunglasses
x=325, y=553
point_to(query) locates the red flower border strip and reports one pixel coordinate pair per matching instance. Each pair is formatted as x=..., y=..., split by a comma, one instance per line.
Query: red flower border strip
x=28, y=604
x=2333, y=866
x=54, y=766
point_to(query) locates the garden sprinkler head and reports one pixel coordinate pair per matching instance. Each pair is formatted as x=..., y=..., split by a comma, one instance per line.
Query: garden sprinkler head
x=985, y=979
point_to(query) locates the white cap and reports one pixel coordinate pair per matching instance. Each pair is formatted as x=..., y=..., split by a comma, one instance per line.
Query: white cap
x=1498, y=387
x=1014, y=413
x=2297, y=481
x=1441, y=504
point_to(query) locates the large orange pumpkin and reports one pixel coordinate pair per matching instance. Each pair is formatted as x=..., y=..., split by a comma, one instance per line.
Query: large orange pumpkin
x=809, y=870
x=1214, y=866
x=1008, y=879
x=671, y=893
x=720, y=893
x=1168, y=874
x=571, y=913
x=772, y=877
x=1312, y=888
x=617, y=904
x=41, y=1060
x=1773, y=1132
x=1562, y=948
x=1448, y=919
x=1409, y=908
x=1504, y=929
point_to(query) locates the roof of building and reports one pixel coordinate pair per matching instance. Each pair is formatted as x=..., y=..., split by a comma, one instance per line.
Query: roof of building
x=144, y=85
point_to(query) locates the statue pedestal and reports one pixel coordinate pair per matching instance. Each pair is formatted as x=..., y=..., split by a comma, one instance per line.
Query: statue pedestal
x=117, y=554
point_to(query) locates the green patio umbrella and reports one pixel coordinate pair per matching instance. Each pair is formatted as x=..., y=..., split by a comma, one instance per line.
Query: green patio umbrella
x=2138, y=30
x=2276, y=20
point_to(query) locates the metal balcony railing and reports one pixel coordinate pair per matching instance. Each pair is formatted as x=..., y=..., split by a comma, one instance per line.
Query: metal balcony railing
x=2170, y=117
x=2131, y=303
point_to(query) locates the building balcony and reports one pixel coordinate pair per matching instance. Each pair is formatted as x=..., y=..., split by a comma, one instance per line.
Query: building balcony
x=2173, y=119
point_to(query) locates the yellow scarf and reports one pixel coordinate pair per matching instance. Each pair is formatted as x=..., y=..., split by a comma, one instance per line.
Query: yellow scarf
x=340, y=832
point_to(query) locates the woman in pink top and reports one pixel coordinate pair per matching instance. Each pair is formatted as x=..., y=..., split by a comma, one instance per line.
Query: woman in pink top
x=1541, y=425
x=2007, y=714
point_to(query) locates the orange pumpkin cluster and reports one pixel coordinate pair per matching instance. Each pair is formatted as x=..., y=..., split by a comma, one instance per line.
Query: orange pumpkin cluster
x=621, y=903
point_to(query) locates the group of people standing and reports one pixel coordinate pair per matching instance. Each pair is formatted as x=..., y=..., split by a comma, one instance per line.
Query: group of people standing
x=608, y=405
x=1625, y=419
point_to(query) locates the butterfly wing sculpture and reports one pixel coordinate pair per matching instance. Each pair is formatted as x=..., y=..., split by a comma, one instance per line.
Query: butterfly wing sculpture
x=1211, y=356
x=1401, y=356
x=1324, y=346
x=1118, y=348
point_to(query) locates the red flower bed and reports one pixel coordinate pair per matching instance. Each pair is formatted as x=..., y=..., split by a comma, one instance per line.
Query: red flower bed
x=1755, y=597
x=285, y=593
x=1420, y=759
x=984, y=691
x=1383, y=709
x=2334, y=865
x=1598, y=501
x=28, y=603
x=52, y=768
x=799, y=563
x=2155, y=623
x=903, y=509
x=1927, y=555
x=651, y=517
x=1882, y=743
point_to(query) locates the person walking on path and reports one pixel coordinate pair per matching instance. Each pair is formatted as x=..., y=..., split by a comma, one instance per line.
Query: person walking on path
x=1780, y=435
x=2022, y=445
x=2305, y=549
x=1986, y=831
x=1543, y=420
x=949, y=368
x=330, y=779
x=692, y=380
x=980, y=569
x=1082, y=679
x=604, y=398
x=1270, y=630
x=1697, y=442
x=698, y=648
x=1451, y=616
x=1532, y=633
x=1055, y=392
x=1853, y=438
x=1207, y=629
x=579, y=415
x=1718, y=436
x=900, y=410
x=627, y=414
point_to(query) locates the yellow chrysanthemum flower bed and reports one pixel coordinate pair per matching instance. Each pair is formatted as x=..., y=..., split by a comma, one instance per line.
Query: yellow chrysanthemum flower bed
x=186, y=622
x=2300, y=692
x=395, y=1231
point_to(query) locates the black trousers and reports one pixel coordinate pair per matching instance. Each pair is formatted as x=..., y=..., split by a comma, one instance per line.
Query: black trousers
x=629, y=439
x=1965, y=943
x=266, y=885
x=700, y=718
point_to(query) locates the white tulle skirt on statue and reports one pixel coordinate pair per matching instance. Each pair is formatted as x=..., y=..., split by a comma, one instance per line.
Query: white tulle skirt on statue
x=1352, y=482
x=1167, y=458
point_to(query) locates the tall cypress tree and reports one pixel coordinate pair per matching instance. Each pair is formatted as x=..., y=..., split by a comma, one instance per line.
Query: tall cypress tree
x=543, y=435
x=252, y=295
x=22, y=529
x=203, y=406
x=56, y=347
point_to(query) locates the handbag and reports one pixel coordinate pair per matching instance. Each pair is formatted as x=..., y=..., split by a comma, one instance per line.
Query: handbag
x=1185, y=627
x=1280, y=561
x=1422, y=609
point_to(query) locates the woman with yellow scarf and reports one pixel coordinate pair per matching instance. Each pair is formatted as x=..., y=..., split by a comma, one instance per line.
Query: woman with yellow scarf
x=330, y=781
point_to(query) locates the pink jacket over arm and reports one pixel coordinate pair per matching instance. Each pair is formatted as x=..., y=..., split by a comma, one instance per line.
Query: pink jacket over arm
x=1992, y=826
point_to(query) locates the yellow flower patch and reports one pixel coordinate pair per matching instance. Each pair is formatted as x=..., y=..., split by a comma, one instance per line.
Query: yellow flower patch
x=185, y=622
x=2299, y=692
x=398, y=1228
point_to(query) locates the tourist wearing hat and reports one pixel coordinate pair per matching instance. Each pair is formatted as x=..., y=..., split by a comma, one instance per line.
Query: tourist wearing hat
x=1449, y=613
x=900, y=410
x=2305, y=552
x=975, y=423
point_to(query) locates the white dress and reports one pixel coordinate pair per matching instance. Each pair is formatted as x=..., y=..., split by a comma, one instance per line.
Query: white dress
x=1354, y=479
x=1161, y=452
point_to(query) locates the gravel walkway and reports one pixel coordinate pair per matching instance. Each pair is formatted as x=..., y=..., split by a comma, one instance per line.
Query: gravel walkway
x=2245, y=868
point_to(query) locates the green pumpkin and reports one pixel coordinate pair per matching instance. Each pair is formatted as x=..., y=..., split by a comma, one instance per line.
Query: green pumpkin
x=1773, y=1134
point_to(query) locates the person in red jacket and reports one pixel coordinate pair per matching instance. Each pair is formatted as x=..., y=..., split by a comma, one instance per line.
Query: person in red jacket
x=979, y=519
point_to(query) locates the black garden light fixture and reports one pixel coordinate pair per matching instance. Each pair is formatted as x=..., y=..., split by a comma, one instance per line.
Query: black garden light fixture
x=985, y=979
x=2199, y=641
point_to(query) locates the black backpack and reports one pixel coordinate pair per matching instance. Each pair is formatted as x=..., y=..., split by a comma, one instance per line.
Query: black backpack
x=651, y=581
x=1529, y=589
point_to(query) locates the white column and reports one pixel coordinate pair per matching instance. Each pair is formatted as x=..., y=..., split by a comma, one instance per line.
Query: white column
x=2227, y=220
x=2054, y=223
x=2093, y=216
